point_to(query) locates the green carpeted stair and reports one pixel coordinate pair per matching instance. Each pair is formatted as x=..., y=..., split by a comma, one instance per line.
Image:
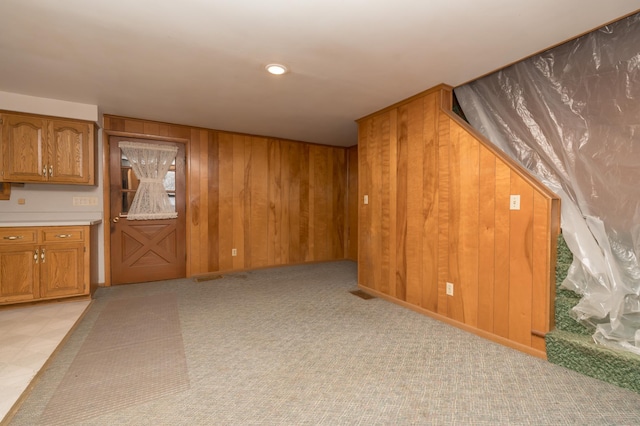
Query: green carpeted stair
x=570, y=344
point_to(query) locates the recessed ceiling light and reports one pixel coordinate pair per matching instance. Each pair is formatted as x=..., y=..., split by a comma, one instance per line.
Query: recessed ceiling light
x=276, y=69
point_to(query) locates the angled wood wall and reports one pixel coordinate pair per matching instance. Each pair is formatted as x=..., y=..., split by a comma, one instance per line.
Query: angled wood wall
x=277, y=202
x=438, y=212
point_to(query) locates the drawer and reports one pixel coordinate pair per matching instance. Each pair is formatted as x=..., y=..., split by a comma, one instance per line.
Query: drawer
x=17, y=235
x=62, y=234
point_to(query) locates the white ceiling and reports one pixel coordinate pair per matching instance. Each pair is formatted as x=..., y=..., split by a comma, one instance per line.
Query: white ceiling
x=201, y=62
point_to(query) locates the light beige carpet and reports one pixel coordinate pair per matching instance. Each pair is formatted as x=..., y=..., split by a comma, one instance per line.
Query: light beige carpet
x=293, y=346
x=133, y=354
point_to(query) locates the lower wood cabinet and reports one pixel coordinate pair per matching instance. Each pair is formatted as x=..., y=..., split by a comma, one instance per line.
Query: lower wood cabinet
x=38, y=263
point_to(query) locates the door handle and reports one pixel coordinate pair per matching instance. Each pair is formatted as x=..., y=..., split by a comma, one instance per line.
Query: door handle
x=116, y=219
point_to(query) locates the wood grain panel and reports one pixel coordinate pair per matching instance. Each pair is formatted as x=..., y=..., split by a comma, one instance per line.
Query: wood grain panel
x=402, y=156
x=375, y=196
x=203, y=196
x=216, y=216
x=468, y=248
x=285, y=204
x=259, y=189
x=521, y=268
x=311, y=203
x=274, y=230
x=430, y=204
x=392, y=148
x=321, y=202
x=295, y=206
x=305, y=209
x=383, y=200
x=415, y=214
x=352, y=203
x=541, y=291
x=134, y=126
x=502, y=265
x=444, y=133
x=486, y=239
x=221, y=202
x=455, y=307
x=246, y=199
x=197, y=264
x=238, y=213
x=365, y=256
x=337, y=218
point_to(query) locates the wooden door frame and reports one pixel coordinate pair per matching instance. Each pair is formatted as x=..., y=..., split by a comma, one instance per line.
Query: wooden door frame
x=106, y=192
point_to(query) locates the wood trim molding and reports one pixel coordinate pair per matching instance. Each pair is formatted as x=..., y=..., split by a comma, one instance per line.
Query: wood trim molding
x=145, y=136
x=439, y=87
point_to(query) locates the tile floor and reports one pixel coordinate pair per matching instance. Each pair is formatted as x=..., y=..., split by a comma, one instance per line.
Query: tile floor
x=28, y=337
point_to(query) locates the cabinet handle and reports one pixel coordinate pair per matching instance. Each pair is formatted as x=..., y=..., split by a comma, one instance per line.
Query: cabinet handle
x=42, y=255
x=50, y=171
x=12, y=237
x=35, y=256
x=63, y=236
x=44, y=171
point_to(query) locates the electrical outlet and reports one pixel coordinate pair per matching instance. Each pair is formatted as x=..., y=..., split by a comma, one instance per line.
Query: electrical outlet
x=85, y=201
x=449, y=289
x=514, y=202
x=234, y=252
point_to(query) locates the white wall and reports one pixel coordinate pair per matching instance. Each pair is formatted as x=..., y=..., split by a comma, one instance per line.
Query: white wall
x=41, y=200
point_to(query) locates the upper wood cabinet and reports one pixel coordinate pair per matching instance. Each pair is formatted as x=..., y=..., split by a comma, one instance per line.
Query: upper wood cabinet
x=46, y=150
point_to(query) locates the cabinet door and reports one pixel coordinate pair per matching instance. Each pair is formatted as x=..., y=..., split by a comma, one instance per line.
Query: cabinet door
x=18, y=273
x=62, y=270
x=23, y=148
x=70, y=152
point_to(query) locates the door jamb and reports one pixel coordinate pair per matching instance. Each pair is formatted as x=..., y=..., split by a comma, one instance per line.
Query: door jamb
x=106, y=189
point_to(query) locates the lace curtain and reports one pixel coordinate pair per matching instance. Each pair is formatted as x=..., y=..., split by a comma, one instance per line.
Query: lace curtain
x=150, y=163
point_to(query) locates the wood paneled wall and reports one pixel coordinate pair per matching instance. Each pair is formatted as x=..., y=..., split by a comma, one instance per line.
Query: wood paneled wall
x=276, y=202
x=438, y=213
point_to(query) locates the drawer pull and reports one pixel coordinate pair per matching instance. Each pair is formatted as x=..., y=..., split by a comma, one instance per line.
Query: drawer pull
x=13, y=237
x=63, y=236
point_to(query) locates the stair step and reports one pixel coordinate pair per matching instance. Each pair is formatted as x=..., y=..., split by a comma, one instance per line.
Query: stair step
x=580, y=353
x=565, y=301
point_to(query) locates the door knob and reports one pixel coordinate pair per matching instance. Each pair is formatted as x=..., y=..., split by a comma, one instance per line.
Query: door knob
x=116, y=219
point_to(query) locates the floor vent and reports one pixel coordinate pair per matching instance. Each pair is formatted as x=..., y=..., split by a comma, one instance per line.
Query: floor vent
x=361, y=294
x=207, y=278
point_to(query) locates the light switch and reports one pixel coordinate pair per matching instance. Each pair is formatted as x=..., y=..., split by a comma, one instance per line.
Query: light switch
x=366, y=199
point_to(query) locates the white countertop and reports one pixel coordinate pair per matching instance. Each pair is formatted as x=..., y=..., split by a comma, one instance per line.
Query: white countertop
x=12, y=224
x=49, y=219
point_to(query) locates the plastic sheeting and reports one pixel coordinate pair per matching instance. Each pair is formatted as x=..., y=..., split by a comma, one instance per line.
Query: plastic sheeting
x=571, y=116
